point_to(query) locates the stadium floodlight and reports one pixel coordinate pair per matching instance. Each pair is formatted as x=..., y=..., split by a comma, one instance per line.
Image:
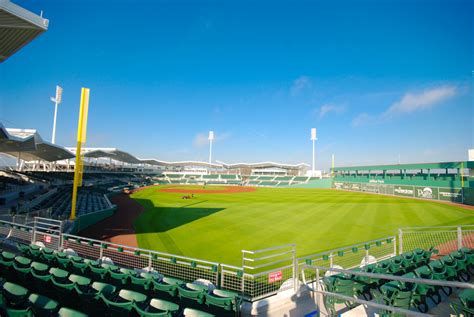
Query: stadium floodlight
x=57, y=100
x=313, y=138
x=211, y=138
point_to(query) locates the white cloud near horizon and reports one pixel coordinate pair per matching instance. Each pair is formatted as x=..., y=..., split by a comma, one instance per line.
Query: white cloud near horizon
x=410, y=102
x=428, y=98
x=201, y=139
x=328, y=108
x=300, y=84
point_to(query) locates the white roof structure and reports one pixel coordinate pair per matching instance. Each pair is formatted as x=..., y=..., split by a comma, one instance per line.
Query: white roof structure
x=265, y=165
x=18, y=27
x=29, y=146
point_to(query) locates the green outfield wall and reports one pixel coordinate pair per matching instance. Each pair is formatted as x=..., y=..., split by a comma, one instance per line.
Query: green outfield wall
x=315, y=183
x=449, y=181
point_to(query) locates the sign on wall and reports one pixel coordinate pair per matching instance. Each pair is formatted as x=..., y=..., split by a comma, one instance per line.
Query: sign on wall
x=275, y=277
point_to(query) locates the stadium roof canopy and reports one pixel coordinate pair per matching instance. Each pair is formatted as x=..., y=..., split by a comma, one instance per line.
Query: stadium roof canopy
x=111, y=153
x=28, y=145
x=18, y=27
x=265, y=165
x=125, y=157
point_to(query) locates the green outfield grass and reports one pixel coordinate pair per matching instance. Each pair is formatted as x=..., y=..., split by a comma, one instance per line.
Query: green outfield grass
x=216, y=227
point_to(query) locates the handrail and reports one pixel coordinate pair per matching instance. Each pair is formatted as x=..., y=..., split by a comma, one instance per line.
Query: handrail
x=346, y=247
x=392, y=277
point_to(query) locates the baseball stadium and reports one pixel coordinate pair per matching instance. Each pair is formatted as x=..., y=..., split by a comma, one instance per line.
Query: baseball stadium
x=100, y=231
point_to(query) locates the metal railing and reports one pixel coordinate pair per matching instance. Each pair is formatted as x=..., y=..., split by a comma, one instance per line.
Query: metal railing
x=313, y=282
x=354, y=255
x=263, y=272
x=443, y=238
x=185, y=268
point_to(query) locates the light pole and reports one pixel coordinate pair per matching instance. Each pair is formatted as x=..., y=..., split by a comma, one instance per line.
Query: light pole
x=57, y=101
x=211, y=138
x=313, y=138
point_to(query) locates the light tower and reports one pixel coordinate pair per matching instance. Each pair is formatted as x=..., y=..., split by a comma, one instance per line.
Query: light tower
x=57, y=101
x=313, y=138
x=211, y=138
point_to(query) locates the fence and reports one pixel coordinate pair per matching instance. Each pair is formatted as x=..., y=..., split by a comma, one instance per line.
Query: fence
x=445, y=238
x=263, y=272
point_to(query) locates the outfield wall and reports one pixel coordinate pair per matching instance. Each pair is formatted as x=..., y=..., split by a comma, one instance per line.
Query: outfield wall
x=315, y=183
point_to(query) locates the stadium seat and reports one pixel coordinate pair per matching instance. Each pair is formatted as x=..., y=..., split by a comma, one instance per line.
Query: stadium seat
x=67, y=312
x=14, y=295
x=157, y=307
x=223, y=299
x=167, y=285
x=42, y=305
x=466, y=305
x=91, y=297
x=193, y=292
x=190, y=312
x=122, y=304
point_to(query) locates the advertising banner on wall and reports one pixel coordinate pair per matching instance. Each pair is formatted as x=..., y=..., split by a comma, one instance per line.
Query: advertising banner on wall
x=450, y=194
x=426, y=192
x=406, y=191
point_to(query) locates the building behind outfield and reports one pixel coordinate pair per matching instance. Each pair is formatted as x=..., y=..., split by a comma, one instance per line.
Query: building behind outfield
x=448, y=181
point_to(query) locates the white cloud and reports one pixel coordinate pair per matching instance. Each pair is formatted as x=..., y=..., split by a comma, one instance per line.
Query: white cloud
x=410, y=102
x=300, y=84
x=328, y=108
x=201, y=139
x=428, y=98
x=363, y=119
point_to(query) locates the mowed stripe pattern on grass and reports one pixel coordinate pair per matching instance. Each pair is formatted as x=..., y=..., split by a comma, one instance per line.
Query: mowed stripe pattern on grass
x=216, y=227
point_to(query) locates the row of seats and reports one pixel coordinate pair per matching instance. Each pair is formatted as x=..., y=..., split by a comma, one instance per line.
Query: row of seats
x=151, y=284
x=16, y=300
x=60, y=202
x=457, y=266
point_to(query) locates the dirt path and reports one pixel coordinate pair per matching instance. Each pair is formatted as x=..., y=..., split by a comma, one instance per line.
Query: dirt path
x=119, y=227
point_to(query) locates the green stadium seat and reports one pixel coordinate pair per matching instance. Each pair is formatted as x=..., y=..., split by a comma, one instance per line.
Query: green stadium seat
x=23, y=249
x=120, y=277
x=190, y=312
x=7, y=256
x=421, y=292
x=141, y=282
x=79, y=266
x=14, y=294
x=123, y=303
x=92, y=296
x=167, y=285
x=48, y=255
x=158, y=307
x=67, y=312
x=466, y=305
x=58, y=274
x=21, y=266
x=192, y=291
x=39, y=268
x=35, y=251
x=42, y=305
x=223, y=299
x=97, y=272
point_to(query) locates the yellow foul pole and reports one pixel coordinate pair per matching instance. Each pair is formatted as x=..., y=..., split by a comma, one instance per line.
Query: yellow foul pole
x=81, y=139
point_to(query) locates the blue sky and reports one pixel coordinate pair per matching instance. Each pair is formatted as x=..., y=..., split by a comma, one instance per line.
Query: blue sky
x=376, y=78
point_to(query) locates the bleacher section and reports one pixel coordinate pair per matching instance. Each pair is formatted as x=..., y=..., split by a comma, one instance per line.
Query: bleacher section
x=87, y=201
x=41, y=280
x=457, y=266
